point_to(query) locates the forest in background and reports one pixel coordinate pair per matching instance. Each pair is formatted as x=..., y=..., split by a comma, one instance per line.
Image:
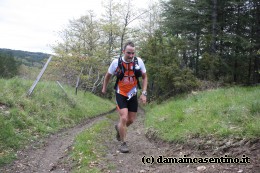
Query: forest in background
x=25, y=57
x=12, y=61
x=183, y=43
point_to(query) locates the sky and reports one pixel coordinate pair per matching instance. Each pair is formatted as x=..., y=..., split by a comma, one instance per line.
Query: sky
x=33, y=25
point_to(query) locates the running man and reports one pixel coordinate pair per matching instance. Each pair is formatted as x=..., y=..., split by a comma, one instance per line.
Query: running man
x=126, y=89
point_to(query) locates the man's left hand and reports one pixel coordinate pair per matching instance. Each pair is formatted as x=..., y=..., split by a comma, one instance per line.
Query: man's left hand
x=143, y=99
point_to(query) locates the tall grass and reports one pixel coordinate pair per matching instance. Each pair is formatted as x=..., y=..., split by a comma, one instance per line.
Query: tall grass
x=227, y=112
x=24, y=119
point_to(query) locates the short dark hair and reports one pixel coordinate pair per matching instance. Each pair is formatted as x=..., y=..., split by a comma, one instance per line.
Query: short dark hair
x=129, y=43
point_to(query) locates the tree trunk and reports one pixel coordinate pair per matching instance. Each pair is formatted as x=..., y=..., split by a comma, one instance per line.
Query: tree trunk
x=256, y=76
x=110, y=39
x=197, y=54
x=214, y=27
x=236, y=47
x=123, y=33
x=249, y=68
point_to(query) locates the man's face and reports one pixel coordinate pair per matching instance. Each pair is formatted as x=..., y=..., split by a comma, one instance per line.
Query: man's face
x=129, y=53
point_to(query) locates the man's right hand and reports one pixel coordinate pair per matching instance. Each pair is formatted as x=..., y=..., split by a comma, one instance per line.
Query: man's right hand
x=106, y=80
x=104, y=91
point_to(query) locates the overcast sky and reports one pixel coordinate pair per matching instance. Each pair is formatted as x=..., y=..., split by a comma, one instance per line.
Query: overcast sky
x=33, y=25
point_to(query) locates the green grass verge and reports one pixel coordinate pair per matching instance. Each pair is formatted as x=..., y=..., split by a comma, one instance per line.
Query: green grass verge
x=25, y=119
x=88, y=150
x=227, y=112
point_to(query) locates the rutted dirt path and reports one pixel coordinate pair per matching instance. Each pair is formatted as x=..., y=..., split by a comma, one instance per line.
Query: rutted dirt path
x=49, y=156
x=141, y=146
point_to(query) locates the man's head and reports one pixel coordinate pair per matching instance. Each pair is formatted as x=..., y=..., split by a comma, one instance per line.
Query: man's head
x=129, y=51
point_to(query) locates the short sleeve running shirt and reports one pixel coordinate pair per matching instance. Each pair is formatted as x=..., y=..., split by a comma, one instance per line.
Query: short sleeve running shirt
x=128, y=85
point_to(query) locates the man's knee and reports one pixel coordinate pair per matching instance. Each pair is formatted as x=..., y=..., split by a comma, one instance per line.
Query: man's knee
x=123, y=113
x=129, y=122
x=123, y=119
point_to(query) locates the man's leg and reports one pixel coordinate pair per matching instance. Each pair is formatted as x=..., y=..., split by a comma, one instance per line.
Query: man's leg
x=127, y=114
x=123, y=113
x=132, y=110
x=123, y=117
x=130, y=118
x=126, y=119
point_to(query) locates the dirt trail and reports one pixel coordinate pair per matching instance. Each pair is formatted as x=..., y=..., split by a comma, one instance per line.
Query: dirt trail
x=50, y=156
x=141, y=146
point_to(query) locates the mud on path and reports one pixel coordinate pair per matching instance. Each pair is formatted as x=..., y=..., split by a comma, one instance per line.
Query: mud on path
x=50, y=156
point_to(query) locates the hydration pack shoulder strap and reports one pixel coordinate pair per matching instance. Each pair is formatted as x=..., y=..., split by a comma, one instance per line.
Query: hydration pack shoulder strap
x=121, y=69
x=137, y=78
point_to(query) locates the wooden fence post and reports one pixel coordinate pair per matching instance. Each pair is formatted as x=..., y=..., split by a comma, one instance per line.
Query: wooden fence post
x=38, y=77
x=71, y=101
x=77, y=84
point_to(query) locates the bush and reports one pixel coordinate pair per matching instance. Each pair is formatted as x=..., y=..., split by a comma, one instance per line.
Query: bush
x=8, y=66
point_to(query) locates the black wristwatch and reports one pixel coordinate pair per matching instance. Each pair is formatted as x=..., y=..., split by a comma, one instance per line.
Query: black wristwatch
x=144, y=93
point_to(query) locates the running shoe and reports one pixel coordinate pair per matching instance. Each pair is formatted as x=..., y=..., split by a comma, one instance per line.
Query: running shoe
x=124, y=148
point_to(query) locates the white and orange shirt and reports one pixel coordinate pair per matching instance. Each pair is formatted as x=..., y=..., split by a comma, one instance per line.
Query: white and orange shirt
x=128, y=85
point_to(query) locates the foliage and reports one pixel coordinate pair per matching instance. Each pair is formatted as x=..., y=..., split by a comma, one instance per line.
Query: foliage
x=25, y=57
x=221, y=35
x=8, y=65
x=167, y=75
x=180, y=41
x=110, y=28
x=80, y=55
x=25, y=119
x=28, y=72
x=88, y=46
x=220, y=113
x=209, y=67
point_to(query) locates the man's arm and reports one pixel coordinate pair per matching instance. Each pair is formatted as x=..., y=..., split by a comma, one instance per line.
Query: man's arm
x=106, y=80
x=145, y=81
x=144, y=87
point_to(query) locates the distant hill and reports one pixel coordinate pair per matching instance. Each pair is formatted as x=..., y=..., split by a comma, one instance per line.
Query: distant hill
x=25, y=57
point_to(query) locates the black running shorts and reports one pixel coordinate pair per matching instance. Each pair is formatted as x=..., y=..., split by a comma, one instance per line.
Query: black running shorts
x=122, y=102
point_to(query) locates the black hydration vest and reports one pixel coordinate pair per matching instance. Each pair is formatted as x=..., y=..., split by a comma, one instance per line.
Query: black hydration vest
x=120, y=73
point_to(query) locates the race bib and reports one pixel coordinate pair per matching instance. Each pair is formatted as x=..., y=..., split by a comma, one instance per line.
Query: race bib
x=131, y=93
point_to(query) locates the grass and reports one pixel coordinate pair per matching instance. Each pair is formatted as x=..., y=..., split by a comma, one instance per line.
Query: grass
x=227, y=112
x=26, y=119
x=88, y=150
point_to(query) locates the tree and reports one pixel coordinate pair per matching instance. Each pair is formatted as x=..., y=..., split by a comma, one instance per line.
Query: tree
x=254, y=23
x=226, y=31
x=149, y=23
x=79, y=52
x=167, y=76
x=129, y=14
x=111, y=28
x=8, y=65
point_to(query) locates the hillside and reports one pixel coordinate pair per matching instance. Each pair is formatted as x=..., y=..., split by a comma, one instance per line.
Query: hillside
x=221, y=113
x=26, y=119
x=25, y=57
